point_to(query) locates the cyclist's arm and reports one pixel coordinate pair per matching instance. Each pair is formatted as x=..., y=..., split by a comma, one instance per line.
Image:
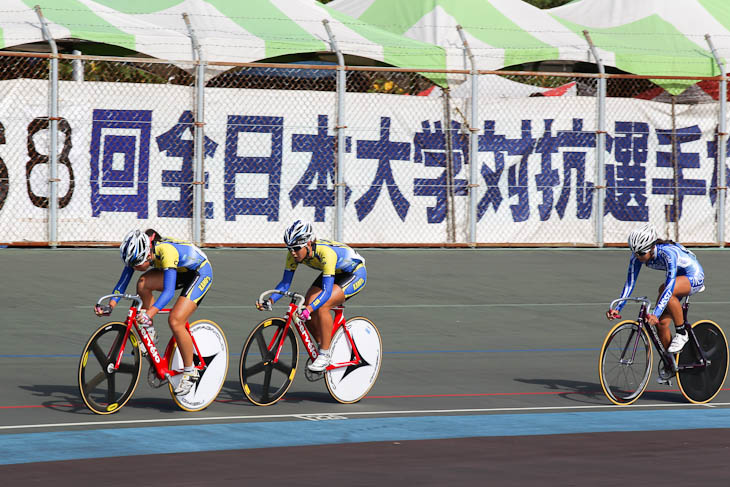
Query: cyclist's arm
x=284, y=285
x=121, y=285
x=671, y=263
x=327, y=285
x=168, y=291
x=329, y=266
x=632, y=275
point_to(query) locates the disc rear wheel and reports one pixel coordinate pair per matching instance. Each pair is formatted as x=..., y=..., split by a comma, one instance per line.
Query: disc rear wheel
x=701, y=384
x=212, y=344
x=350, y=383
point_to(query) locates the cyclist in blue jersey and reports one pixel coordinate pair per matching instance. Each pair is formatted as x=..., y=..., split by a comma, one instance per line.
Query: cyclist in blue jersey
x=167, y=265
x=684, y=277
x=343, y=275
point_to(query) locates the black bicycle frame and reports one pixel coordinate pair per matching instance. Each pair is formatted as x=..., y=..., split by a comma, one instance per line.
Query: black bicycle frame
x=666, y=357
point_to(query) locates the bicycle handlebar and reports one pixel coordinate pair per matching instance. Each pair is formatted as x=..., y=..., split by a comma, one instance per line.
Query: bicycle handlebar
x=132, y=297
x=642, y=299
x=298, y=298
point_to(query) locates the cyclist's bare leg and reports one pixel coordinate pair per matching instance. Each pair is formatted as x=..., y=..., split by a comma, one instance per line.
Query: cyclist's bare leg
x=313, y=323
x=179, y=315
x=322, y=319
x=673, y=311
x=152, y=280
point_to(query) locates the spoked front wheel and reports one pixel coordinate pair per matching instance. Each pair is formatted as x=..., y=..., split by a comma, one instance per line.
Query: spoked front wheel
x=348, y=384
x=264, y=381
x=212, y=344
x=105, y=388
x=701, y=384
x=625, y=363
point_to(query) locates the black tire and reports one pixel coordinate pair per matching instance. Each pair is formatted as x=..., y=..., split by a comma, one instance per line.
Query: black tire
x=701, y=384
x=263, y=381
x=625, y=374
x=104, y=390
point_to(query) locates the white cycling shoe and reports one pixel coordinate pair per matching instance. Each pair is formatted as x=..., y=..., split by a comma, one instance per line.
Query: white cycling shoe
x=321, y=362
x=678, y=342
x=186, y=384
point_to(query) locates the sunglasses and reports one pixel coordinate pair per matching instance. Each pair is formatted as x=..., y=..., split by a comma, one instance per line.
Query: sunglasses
x=296, y=248
x=641, y=254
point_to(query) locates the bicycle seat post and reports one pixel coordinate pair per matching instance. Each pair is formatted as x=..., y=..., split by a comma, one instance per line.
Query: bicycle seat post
x=339, y=316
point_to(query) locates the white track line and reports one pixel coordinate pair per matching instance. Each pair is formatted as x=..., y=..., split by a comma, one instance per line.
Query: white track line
x=361, y=413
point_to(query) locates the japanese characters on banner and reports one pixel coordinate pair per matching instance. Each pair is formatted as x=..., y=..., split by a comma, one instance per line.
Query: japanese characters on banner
x=126, y=161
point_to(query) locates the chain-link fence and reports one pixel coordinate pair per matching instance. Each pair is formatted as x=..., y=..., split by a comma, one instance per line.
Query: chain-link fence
x=513, y=159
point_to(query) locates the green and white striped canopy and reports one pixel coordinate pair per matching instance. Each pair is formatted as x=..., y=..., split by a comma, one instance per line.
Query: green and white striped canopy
x=654, y=37
x=647, y=37
x=500, y=33
x=228, y=30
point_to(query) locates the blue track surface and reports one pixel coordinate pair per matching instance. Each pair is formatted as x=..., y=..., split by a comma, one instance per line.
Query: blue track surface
x=43, y=447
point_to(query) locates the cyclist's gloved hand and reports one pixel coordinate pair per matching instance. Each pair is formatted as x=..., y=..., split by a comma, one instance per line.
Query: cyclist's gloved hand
x=102, y=310
x=143, y=319
x=304, y=314
x=265, y=306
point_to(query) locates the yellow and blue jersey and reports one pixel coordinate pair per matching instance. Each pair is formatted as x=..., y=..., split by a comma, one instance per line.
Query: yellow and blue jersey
x=328, y=256
x=173, y=257
x=333, y=259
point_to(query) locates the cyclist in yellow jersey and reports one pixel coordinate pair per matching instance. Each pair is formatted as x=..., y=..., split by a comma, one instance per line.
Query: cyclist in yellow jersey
x=343, y=275
x=167, y=265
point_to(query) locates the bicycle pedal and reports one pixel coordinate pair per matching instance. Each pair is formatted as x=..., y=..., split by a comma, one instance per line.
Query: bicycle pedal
x=153, y=380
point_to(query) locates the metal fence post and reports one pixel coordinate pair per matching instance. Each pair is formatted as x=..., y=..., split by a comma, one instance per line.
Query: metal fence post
x=473, y=139
x=721, y=147
x=340, y=127
x=600, y=142
x=198, y=137
x=53, y=129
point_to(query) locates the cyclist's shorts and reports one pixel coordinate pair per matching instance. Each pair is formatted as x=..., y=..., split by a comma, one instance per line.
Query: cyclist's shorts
x=697, y=283
x=351, y=283
x=195, y=284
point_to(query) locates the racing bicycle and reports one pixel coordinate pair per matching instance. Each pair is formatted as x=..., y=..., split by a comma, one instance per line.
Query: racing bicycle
x=626, y=358
x=271, y=353
x=110, y=364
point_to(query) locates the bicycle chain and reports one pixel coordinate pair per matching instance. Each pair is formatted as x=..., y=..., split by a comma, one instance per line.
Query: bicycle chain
x=312, y=376
x=153, y=380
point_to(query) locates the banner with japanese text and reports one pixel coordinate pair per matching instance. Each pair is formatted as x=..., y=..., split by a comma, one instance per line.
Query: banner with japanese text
x=126, y=161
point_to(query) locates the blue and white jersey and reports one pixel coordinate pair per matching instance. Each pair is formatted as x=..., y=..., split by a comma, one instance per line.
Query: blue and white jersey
x=675, y=260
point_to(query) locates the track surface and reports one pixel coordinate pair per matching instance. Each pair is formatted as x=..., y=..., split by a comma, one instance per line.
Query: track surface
x=489, y=372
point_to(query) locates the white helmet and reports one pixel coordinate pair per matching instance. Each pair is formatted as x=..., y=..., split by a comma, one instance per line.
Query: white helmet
x=135, y=248
x=642, y=239
x=298, y=233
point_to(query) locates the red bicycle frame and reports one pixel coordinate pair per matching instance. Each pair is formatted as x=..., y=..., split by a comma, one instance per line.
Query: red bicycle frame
x=309, y=343
x=161, y=364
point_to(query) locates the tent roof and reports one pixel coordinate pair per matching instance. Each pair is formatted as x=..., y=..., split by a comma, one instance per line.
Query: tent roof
x=227, y=30
x=654, y=37
x=499, y=32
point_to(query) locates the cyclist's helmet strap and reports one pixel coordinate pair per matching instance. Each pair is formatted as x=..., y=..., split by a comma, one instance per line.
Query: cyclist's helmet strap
x=642, y=239
x=298, y=233
x=134, y=248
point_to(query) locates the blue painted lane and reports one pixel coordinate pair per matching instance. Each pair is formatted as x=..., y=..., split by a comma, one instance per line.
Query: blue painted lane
x=70, y=445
